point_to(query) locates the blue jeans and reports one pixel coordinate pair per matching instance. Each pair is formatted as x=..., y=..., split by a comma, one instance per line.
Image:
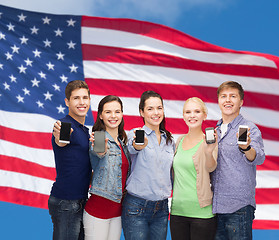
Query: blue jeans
x=235, y=226
x=143, y=219
x=66, y=216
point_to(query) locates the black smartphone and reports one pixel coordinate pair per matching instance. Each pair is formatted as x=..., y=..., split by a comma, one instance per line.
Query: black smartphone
x=209, y=135
x=65, y=132
x=139, y=137
x=99, y=142
x=242, y=134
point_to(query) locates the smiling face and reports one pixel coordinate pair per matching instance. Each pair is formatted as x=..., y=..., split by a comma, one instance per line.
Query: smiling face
x=153, y=112
x=111, y=115
x=78, y=104
x=193, y=114
x=230, y=103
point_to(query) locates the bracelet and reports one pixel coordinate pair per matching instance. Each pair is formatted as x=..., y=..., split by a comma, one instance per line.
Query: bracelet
x=244, y=150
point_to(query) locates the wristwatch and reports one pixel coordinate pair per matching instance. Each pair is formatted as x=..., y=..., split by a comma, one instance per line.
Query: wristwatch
x=244, y=150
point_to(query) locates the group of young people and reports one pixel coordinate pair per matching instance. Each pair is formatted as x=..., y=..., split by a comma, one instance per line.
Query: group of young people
x=212, y=185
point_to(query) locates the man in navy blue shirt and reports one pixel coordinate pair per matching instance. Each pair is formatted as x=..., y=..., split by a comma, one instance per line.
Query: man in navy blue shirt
x=73, y=170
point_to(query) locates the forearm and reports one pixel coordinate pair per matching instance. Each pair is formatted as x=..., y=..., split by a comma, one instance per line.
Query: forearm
x=251, y=154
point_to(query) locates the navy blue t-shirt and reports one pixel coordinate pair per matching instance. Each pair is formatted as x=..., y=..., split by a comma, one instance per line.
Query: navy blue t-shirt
x=73, y=168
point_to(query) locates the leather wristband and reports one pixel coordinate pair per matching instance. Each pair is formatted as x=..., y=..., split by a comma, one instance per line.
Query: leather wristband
x=244, y=150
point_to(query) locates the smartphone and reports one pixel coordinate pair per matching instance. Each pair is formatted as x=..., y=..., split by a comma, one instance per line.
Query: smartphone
x=99, y=142
x=139, y=137
x=65, y=132
x=242, y=134
x=209, y=135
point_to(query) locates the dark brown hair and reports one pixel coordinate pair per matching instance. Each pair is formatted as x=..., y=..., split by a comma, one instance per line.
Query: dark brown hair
x=99, y=124
x=73, y=85
x=146, y=95
x=231, y=84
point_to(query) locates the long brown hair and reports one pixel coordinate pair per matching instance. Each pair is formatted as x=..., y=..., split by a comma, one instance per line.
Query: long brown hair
x=146, y=95
x=99, y=124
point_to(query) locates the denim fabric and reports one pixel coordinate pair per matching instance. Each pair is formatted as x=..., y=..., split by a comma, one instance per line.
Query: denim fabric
x=66, y=217
x=143, y=219
x=235, y=226
x=107, y=177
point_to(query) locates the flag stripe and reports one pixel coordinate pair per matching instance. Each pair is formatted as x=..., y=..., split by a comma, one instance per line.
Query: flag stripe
x=176, y=92
x=270, y=163
x=25, y=182
x=27, y=122
x=131, y=56
x=265, y=224
x=267, y=212
x=27, y=198
x=21, y=166
x=267, y=196
x=38, y=156
x=99, y=32
x=155, y=74
x=38, y=140
x=267, y=179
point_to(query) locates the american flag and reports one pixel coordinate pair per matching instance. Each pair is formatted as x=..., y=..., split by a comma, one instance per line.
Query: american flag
x=41, y=53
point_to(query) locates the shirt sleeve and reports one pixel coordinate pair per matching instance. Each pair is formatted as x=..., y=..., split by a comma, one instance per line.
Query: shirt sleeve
x=257, y=144
x=94, y=157
x=130, y=146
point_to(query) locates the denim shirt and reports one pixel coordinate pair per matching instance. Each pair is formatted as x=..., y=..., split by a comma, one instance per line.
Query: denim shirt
x=234, y=179
x=107, y=174
x=150, y=176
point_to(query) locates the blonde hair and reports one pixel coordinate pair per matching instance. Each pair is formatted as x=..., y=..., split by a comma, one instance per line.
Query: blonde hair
x=198, y=101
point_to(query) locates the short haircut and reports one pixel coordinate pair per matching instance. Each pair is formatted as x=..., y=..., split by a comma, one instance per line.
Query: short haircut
x=73, y=85
x=231, y=84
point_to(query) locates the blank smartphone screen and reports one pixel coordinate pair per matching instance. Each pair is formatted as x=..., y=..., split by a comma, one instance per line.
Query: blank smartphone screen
x=139, y=136
x=210, y=134
x=65, y=132
x=99, y=142
x=242, y=135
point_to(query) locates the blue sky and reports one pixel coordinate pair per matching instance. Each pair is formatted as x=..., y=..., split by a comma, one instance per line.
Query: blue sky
x=250, y=25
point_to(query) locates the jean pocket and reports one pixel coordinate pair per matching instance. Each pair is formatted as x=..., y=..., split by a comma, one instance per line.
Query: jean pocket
x=70, y=206
x=133, y=211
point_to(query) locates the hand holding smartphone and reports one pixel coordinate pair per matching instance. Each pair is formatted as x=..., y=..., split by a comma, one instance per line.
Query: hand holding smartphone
x=99, y=142
x=65, y=132
x=209, y=135
x=139, y=140
x=242, y=135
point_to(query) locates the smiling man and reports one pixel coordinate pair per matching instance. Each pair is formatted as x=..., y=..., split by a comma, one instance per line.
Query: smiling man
x=73, y=169
x=234, y=179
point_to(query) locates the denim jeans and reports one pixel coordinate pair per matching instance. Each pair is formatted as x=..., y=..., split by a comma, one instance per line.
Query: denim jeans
x=235, y=226
x=66, y=216
x=143, y=219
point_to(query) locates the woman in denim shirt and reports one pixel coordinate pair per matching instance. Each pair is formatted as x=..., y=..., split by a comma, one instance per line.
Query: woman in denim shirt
x=102, y=215
x=145, y=207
